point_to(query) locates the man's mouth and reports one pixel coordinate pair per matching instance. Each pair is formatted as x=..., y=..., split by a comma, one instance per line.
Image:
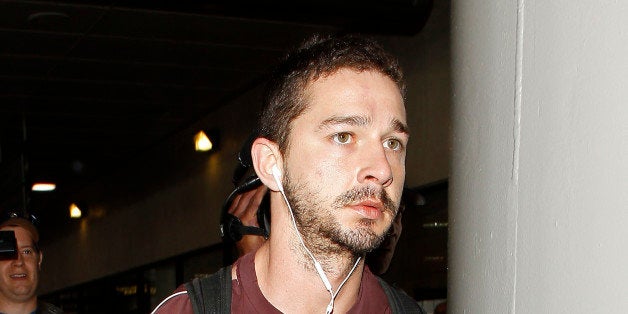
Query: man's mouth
x=369, y=202
x=18, y=276
x=368, y=209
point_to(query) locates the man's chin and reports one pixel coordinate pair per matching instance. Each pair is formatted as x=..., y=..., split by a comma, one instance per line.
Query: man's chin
x=23, y=295
x=360, y=242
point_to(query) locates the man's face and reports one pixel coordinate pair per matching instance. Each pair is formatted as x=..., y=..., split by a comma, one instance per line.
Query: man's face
x=345, y=164
x=20, y=276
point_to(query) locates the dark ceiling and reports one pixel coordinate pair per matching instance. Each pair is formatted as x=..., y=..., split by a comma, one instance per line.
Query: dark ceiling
x=83, y=82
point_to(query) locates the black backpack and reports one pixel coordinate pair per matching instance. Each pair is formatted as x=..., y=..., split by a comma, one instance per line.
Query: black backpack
x=212, y=295
x=47, y=308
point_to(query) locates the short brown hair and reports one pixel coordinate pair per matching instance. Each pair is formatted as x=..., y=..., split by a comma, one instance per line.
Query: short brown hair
x=316, y=57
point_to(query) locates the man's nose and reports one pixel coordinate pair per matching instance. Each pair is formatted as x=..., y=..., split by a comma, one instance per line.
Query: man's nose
x=19, y=260
x=374, y=165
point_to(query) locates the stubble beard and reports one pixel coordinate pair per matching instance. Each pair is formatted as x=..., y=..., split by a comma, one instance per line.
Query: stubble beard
x=322, y=233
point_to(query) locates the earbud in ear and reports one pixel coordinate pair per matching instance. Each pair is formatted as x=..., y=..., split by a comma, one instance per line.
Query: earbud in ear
x=277, y=175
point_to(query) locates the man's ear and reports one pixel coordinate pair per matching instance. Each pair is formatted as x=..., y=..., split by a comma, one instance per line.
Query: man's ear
x=41, y=258
x=265, y=154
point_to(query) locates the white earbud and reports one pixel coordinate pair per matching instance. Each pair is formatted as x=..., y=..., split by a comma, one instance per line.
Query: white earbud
x=277, y=175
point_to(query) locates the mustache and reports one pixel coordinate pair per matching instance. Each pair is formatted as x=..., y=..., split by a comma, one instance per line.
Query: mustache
x=358, y=194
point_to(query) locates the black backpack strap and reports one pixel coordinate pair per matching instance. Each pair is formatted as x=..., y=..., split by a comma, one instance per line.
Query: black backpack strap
x=212, y=294
x=47, y=308
x=399, y=301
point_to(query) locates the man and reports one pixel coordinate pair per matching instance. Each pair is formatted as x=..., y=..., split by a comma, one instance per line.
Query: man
x=20, y=275
x=331, y=149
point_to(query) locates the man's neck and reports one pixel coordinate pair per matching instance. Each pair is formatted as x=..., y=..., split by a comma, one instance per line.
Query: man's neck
x=11, y=307
x=288, y=279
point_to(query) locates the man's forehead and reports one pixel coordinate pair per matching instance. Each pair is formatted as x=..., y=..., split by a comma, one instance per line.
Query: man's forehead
x=19, y=230
x=347, y=91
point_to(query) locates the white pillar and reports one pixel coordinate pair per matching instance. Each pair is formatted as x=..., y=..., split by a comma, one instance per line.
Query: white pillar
x=539, y=183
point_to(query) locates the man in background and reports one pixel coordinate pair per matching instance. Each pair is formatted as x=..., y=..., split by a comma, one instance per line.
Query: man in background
x=19, y=275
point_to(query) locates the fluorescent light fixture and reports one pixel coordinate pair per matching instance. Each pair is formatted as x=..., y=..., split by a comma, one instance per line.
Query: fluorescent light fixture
x=202, y=142
x=44, y=187
x=75, y=211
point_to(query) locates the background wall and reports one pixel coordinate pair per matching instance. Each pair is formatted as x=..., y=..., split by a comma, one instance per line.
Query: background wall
x=539, y=173
x=154, y=213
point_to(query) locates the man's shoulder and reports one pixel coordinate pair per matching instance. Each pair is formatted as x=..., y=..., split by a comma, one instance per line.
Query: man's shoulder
x=199, y=293
x=177, y=302
x=398, y=300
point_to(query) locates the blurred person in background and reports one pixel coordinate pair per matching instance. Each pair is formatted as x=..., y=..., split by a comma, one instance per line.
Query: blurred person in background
x=20, y=273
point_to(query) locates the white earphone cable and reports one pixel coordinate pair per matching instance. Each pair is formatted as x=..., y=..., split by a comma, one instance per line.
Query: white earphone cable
x=317, y=265
x=166, y=299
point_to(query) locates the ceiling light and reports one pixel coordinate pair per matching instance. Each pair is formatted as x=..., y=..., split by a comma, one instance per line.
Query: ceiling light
x=75, y=211
x=202, y=142
x=44, y=187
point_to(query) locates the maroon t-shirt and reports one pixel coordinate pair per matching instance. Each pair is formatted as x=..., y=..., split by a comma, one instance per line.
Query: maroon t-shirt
x=246, y=296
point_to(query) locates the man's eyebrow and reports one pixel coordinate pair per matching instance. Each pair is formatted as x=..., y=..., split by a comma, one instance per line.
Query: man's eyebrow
x=400, y=126
x=397, y=125
x=348, y=120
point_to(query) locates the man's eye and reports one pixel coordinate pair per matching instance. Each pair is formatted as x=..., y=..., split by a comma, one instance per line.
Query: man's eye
x=342, y=138
x=27, y=251
x=393, y=144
